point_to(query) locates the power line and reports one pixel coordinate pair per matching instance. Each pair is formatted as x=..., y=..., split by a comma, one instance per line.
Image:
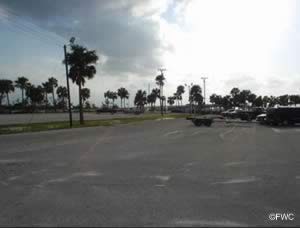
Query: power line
x=25, y=22
x=17, y=28
x=30, y=28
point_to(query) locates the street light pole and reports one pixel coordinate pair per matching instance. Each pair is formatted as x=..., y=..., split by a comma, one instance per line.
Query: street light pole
x=68, y=87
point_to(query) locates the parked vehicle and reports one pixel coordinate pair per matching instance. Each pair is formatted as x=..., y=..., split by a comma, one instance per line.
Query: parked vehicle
x=283, y=115
x=250, y=115
x=106, y=110
x=261, y=118
x=226, y=113
x=234, y=114
x=199, y=120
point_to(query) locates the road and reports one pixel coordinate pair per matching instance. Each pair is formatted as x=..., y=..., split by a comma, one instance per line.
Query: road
x=54, y=117
x=155, y=173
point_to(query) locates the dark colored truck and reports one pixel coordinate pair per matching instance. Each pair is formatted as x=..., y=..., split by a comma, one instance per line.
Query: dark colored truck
x=283, y=115
x=201, y=120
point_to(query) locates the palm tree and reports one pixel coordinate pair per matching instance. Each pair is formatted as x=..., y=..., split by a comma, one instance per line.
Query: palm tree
x=151, y=98
x=160, y=82
x=140, y=99
x=107, y=95
x=85, y=93
x=82, y=66
x=53, y=84
x=47, y=87
x=22, y=83
x=2, y=89
x=62, y=94
x=171, y=100
x=6, y=87
x=113, y=96
x=156, y=94
x=179, y=92
x=196, y=95
x=123, y=94
x=266, y=101
x=36, y=94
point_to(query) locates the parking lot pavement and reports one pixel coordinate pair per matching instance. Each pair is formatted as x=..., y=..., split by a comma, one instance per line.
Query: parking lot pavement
x=156, y=173
x=53, y=117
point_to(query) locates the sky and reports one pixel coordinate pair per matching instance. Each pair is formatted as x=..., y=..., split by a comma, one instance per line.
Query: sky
x=249, y=44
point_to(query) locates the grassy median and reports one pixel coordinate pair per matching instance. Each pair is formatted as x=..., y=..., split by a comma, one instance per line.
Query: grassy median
x=35, y=127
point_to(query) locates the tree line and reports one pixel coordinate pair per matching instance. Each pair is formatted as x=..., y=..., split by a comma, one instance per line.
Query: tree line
x=243, y=98
x=37, y=95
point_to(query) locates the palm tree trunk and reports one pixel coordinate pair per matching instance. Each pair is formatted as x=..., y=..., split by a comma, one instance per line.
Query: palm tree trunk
x=63, y=100
x=1, y=97
x=80, y=106
x=7, y=96
x=54, y=103
x=46, y=106
x=23, y=97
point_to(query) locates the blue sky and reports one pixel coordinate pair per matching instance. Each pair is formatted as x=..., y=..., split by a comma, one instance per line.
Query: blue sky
x=250, y=44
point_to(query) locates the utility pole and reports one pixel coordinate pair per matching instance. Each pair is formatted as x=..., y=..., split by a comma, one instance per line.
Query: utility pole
x=161, y=91
x=68, y=87
x=204, y=89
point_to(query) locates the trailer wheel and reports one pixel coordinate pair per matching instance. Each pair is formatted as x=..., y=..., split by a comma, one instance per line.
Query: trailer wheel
x=208, y=123
x=198, y=123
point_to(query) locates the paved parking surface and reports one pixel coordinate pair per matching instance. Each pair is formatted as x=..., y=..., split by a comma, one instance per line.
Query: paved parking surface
x=53, y=117
x=156, y=173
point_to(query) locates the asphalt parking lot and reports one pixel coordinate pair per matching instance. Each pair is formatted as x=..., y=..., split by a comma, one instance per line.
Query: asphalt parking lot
x=28, y=118
x=155, y=173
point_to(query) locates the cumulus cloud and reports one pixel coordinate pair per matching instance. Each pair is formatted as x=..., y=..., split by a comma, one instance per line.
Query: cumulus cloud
x=125, y=32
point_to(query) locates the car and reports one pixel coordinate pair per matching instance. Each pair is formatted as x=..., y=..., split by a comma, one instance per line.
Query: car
x=234, y=114
x=261, y=118
x=106, y=110
x=225, y=113
x=251, y=114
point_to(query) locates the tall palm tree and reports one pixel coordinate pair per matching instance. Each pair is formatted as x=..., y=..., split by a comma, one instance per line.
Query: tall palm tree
x=107, y=95
x=114, y=96
x=2, y=89
x=160, y=82
x=36, y=94
x=6, y=87
x=85, y=93
x=140, y=99
x=156, y=94
x=179, y=92
x=62, y=94
x=22, y=83
x=53, y=84
x=123, y=94
x=82, y=66
x=151, y=98
x=171, y=100
x=47, y=87
x=196, y=95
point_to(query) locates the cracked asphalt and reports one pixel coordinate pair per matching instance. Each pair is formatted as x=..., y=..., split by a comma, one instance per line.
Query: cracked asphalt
x=155, y=173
